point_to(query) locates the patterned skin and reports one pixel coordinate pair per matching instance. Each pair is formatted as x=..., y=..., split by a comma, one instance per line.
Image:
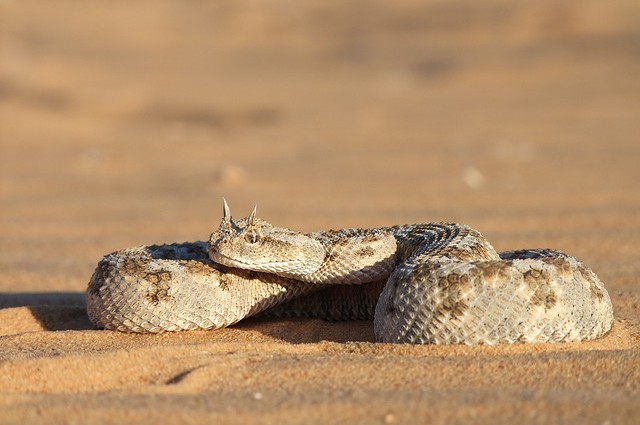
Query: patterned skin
x=435, y=283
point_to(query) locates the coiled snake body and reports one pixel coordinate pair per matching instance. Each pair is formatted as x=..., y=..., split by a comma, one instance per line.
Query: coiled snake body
x=423, y=283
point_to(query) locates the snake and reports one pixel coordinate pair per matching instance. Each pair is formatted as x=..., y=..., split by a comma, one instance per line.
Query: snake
x=425, y=283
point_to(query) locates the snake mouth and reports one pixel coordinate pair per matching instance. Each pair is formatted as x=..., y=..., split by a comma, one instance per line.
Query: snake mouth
x=228, y=261
x=272, y=267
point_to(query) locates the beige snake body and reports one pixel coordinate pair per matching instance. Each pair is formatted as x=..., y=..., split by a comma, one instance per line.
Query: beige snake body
x=424, y=283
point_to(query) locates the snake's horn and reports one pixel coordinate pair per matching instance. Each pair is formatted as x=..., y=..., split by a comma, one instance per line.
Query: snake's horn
x=226, y=213
x=252, y=216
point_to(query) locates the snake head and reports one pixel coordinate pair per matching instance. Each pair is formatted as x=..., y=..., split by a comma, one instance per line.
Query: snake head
x=254, y=244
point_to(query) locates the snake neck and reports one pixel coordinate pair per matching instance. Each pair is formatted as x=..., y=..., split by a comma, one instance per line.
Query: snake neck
x=347, y=256
x=353, y=256
x=441, y=243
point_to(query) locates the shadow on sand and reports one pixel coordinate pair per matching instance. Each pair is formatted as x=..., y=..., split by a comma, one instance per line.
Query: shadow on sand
x=56, y=311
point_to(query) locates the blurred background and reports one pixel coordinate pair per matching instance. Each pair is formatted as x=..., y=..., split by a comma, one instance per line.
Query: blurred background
x=124, y=123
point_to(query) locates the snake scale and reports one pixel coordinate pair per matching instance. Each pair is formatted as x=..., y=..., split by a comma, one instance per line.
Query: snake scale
x=435, y=283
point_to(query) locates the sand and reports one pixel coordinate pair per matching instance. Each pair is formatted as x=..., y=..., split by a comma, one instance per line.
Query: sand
x=124, y=123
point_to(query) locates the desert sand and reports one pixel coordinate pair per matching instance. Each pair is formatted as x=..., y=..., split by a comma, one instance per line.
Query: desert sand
x=124, y=123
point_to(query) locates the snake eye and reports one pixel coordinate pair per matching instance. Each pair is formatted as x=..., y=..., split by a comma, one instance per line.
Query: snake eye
x=251, y=237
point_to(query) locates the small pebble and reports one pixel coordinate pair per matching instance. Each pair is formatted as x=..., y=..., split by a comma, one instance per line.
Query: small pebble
x=473, y=178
